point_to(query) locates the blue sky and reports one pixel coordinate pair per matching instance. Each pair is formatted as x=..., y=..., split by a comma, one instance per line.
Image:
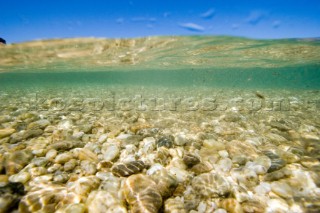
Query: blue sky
x=39, y=19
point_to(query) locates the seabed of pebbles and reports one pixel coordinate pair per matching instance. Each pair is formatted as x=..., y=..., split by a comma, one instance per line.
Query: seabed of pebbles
x=140, y=160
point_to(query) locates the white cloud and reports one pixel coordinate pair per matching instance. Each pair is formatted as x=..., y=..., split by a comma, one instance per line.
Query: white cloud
x=208, y=14
x=143, y=19
x=255, y=17
x=192, y=27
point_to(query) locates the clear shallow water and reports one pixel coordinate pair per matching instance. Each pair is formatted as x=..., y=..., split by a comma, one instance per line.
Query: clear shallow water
x=247, y=110
x=306, y=77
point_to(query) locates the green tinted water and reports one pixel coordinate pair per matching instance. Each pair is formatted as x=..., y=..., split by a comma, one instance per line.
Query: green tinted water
x=163, y=61
x=307, y=77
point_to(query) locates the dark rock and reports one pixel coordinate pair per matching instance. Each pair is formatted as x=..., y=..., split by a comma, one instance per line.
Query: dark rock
x=276, y=162
x=13, y=188
x=10, y=196
x=2, y=41
x=190, y=160
x=132, y=139
x=26, y=134
x=166, y=141
x=127, y=169
x=14, y=162
x=279, y=126
x=277, y=175
x=232, y=118
x=66, y=145
x=40, y=124
x=148, y=132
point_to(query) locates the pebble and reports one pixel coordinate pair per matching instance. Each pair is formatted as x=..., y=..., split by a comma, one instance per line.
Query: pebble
x=61, y=178
x=166, y=183
x=63, y=158
x=73, y=208
x=149, y=144
x=70, y=165
x=174, y=205
x=190, y=160
x=277, y=175
x=88, y=167
x=85, y=154
x=39, y=152
x=202, y=167
x=6, y=132
x=84, y=185
x=180, y=139
x=213, y=144
x=25, y=134
x=277, y=205
x=127, y=169
x=265, y=162
x=239, y=159
x=276, y=162
x=220, y=211
x=105, y=202
x=166, y=141
x=37, y=171
x=51, y=154
x=3, y=179
x=110, y=151
x=54, y=168
x=282, y=189
x=66, y=145
x=223, y=154
x=180, y=174
x=154, y=168
x=16, y=161
x=41, y=161
x=40, y=124
x=211, y=185
x=224, y=165
x=142, y=194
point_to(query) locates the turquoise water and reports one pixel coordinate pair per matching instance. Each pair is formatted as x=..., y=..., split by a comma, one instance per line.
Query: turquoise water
x=306, y=77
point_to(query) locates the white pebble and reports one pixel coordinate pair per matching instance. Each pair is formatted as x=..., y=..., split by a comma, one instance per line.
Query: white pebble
x=154, y=168
x=223, y=154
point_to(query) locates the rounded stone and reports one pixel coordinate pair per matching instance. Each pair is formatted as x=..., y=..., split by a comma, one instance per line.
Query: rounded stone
x=70, y=165
x=22, y=177
x=166, y=141
x=63, y=158
x=51, y=154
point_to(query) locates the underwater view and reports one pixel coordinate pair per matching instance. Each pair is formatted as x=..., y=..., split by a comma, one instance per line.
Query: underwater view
x=175, y=124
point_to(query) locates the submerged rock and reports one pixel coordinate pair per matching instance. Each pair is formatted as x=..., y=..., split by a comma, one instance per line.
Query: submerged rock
x=142, y=194
x=127, y=169
x=166, y=141
x=211, y=185
x=166, y=183
x=190, y=160
x=66, y=145
x=47, y=198
x=14, y=162
x=174, y=205
x=25, y=134
x=10, y=196
x=40, y=124
x=276, y=162
x=6, y=132
x=105, y=202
